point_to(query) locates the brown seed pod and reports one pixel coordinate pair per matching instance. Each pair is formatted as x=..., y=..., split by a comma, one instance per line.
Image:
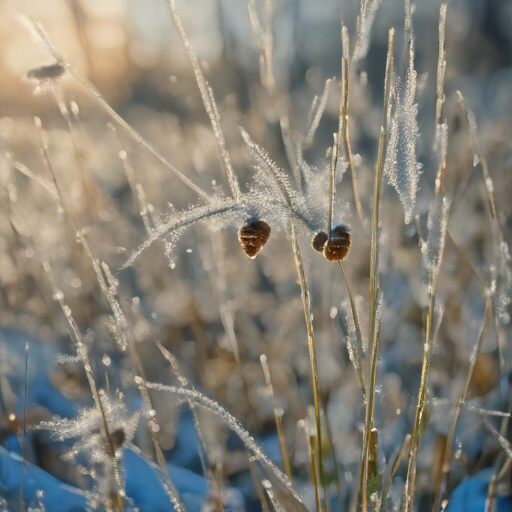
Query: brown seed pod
x=253, y=237
x=337, y=247
x=52, y=71
x=319, y=240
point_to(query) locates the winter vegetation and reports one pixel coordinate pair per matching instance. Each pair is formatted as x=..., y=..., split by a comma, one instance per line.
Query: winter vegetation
x=255, y=256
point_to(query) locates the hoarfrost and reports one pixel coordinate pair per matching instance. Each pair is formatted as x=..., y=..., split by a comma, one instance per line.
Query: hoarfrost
x=401, y=166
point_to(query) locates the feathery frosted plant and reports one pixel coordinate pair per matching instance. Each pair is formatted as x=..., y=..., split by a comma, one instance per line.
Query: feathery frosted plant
x=401, y=166
x=89, y=450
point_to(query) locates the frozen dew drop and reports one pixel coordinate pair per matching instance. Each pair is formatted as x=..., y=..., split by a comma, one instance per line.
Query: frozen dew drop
x=138, y=380
x=476, y=160
x=58, y=295
x=334, y=312
x=106, y=360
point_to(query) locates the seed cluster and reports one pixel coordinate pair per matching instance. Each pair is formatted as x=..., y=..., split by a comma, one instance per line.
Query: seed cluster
x=335, y=248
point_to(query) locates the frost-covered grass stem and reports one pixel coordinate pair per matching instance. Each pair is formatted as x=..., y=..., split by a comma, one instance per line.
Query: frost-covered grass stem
x=374, y=280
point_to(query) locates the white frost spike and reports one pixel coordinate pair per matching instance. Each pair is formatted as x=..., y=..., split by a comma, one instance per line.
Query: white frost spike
x=367, y=11
x=401, y=166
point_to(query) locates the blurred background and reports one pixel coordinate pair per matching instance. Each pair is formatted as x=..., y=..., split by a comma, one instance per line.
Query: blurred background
x=213, y=296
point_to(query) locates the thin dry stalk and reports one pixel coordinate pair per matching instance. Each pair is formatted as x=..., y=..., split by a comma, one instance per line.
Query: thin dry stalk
x=437, y=222
x=47, y=185
x=357, y=354
x=272, y=495
x=441, y=69
x=313, y=468
x=505, y=444
x=440, y=212
x=82, y=352
x=374, y=279
x=306, y=303
x=77, y=337
x=265, y=39
x=93, y=193
x=343, y=133
x=496, y=229
x=333, y=155
x=110, y=290
x=390, y=470
x=209, y=104
x=212, y=406
x=203, y=448
x=278, y=415
x=495, y=480
x=484, y=328
x=135, y=187
x=259, y=487
x=219, y=282
x=499, y=241
x=40, y=34
x=498, y=474
x=322, y=103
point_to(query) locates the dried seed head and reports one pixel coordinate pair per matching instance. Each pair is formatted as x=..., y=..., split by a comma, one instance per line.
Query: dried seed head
x=337, y=247
x=46, y=72
x=253, y=237
x=319, y=240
